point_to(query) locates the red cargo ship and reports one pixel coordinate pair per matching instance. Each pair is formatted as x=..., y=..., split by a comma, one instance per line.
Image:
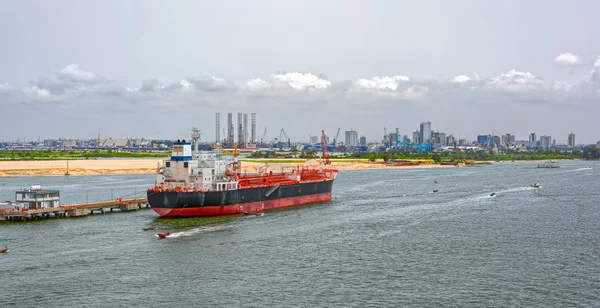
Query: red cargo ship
x=196, y=183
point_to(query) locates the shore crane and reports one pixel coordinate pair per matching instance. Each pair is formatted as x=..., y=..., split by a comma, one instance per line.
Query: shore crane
x=282, y=135
x=264, y=136
x=335, y=139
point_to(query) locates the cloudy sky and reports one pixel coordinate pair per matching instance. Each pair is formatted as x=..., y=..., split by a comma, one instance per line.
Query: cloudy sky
x=151, y=69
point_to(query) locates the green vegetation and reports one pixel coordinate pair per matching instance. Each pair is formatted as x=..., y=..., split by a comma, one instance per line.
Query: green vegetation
x=471, y=156
x=445, y=157
x=590, y=152
x=52, y=155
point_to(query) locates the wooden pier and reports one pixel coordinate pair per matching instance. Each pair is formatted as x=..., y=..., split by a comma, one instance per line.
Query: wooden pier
x=76, y=210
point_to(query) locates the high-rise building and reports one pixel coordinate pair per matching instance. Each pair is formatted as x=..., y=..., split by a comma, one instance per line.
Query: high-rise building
x=450, y=140
x=482, y=140
x=230, y=137
x=351, y=138
x=508, y=139
x=416, y=137
x=246, y=138
x=545, y=142
x=240, y=129
x=253, y=128
x=425, y=130
x=442, y=139
x=571, y=141
x=363, y=140
x=532, y=140
x=218, y=128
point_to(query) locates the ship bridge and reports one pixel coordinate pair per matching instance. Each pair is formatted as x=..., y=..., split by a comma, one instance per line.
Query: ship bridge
x=182, y=151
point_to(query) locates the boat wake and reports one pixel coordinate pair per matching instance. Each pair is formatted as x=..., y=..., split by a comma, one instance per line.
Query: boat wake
x=491, y=195
x=195, y=231
x=586, y=168
x=576, y=170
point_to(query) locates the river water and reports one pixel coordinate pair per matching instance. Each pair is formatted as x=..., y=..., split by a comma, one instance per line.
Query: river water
x=385, y=240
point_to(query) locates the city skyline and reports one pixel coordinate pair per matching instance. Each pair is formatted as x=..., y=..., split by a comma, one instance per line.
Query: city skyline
x=469, y=68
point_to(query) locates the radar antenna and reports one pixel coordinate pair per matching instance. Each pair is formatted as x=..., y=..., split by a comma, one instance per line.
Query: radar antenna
x=196, y=136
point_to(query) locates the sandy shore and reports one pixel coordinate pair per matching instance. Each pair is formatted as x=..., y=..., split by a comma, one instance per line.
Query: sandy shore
x=137, y=166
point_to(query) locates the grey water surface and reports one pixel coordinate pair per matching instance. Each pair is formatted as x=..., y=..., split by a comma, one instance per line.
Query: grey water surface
x=385, y=240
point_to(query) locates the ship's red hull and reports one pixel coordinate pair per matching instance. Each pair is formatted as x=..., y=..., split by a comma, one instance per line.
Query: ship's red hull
x=244, y=208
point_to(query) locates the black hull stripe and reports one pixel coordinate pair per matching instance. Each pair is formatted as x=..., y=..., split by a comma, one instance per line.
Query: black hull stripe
x=234, y=197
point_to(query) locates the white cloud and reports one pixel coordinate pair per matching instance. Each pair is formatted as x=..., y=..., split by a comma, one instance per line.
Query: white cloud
x=209, y=83
x=561, y=86
x=151, y=85
x=462, y=79
x=515, y=81
x=382, y=83
x=73, y=73
x=594, y=75
x=6, y=88
x=300, y=93
x=257, y=84
x=302, y=81
x=33, y=93
x=566, y=59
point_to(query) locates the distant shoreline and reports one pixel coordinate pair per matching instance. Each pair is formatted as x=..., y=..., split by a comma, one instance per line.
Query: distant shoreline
x=16, y=168
x=149, y=166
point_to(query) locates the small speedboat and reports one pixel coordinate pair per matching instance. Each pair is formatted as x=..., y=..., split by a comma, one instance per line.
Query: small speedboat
x=435, y=190
x=150, y=228
x=536, y=185
x=163, y=235
x=3, y=250
x=493, y=194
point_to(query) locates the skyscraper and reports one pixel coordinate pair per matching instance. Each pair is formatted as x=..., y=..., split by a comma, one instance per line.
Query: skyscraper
x=532, y=140
x=571, y=141
x=218, y=128
x=545, y=142
x=351, y=138
x=253, y=129
x=425, y=130
x=416, y=137
x=363, y=140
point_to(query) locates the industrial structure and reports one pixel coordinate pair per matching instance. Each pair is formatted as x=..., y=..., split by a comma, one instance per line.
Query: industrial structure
x=253, y=128
x=218, y=128
x=230, y=140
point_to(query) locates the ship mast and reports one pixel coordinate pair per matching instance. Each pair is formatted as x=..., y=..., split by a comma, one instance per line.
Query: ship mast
x=196, y=136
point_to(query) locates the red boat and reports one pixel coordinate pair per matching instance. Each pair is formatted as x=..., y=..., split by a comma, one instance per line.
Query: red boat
x=163, y=235
x=3, y=250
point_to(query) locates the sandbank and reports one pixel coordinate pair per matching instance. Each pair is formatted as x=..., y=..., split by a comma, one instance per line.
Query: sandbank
x=145, y=166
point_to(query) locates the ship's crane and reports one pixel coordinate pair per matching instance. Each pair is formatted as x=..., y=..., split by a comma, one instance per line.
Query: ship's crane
x=324, y=145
